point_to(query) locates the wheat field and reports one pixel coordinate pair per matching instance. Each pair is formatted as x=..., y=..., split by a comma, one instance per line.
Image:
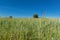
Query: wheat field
x=29, y=29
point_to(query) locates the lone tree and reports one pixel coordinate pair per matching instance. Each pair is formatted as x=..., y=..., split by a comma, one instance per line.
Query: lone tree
x=35, y=16
x=10, y=17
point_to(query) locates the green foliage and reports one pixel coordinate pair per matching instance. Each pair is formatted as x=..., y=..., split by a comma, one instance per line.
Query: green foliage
x=35, y=16
x=10, y=17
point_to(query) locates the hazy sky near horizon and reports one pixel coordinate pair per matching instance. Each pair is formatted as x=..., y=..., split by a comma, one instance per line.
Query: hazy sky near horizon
x=27, y=8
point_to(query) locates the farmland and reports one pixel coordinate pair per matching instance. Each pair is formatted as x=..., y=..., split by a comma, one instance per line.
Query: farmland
x=29, y=29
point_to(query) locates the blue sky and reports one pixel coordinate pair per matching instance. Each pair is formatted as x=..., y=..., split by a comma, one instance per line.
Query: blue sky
x=27, y=8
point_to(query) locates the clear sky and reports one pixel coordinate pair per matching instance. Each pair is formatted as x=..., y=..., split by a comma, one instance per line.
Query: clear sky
x=26, y=8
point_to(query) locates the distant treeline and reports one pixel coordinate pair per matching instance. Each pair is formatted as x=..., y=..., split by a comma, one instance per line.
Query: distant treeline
x=34, y=16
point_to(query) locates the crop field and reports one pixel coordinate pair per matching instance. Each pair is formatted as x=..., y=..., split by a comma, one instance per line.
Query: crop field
x=29, y=29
